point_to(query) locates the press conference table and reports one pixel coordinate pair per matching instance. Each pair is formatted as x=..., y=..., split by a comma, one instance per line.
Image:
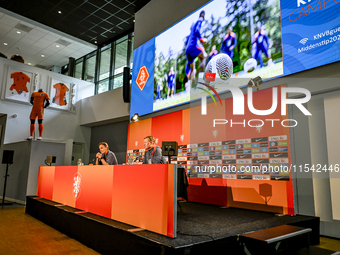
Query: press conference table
x=144, y=196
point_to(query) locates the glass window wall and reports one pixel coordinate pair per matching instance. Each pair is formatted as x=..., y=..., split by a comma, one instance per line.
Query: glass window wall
x=78, y=69
x=108, y=74
x=90, y=67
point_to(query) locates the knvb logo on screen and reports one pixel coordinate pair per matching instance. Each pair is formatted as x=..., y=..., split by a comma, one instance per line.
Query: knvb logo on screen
x=142, y=77
x=238, y=106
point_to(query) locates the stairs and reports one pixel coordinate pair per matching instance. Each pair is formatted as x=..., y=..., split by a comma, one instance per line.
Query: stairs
x=285, y=239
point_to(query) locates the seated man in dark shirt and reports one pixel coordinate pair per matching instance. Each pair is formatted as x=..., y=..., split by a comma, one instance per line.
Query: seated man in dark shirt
x=105, y=156
x=153, y=153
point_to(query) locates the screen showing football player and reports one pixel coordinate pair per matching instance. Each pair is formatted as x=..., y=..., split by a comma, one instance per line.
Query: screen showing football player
x=153, y=153
x=158, y=91
x=261, y=45
x=229, y=43
x=105, y=156
x=194, y=49
x=171, y=81
x=39, y=100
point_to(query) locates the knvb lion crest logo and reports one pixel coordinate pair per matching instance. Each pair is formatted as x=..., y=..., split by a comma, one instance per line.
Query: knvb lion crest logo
x=215, y=132
x=258, y=128
x=142, y=77
x=76, y=185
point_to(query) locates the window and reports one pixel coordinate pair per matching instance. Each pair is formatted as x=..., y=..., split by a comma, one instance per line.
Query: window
x=78, y=69
x=118, y=81
x=64, y=70
x=103, y=86
x=105, y=57
x=90, y=67
x=107, y=71
x=121, y=55
x=131, y=52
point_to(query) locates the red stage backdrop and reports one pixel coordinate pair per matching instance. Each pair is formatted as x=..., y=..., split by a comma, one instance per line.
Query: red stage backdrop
x=242, y=163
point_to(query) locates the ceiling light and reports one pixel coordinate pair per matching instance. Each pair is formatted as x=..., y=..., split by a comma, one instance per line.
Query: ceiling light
x=29, y=64
x=57, y=46
x=42, y=56
x=133, y=20
x=5, y=43
x=18, y=32
x=59, y=12
x=95, y=41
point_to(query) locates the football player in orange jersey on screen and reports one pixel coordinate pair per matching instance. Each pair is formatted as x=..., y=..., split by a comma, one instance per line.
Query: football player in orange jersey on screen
x=39, y=100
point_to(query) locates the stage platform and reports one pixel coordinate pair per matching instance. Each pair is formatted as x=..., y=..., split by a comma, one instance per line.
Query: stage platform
x=202, y=228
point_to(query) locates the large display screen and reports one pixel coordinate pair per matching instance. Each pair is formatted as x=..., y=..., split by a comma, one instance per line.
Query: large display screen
x=267, y=38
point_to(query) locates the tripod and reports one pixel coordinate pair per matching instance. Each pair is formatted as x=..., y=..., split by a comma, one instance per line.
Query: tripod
x=4, y=193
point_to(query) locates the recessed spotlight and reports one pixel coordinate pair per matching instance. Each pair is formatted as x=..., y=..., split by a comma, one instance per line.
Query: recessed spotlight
x=29, y=64
x=57, y=46
x=133, y=20
x=59, y=12
x=18, y=32
x=42, y=56
x=95, y=41
x=5, y=43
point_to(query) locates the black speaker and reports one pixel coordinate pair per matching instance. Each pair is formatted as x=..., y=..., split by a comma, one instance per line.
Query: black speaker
x=169, y=148
x=126, y=84
x=7, y=157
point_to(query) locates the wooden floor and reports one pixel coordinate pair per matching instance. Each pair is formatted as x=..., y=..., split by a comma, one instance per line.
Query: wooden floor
x=330, y=244
x=22, y=234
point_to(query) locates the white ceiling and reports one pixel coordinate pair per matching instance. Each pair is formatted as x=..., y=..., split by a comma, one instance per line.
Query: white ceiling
x=36, y=40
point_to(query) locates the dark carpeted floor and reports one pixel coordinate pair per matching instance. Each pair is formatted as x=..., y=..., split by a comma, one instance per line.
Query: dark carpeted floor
x=200, y=223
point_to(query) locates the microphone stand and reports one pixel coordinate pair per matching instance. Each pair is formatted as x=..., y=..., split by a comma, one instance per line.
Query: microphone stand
x=4, y=193
x=169, y=156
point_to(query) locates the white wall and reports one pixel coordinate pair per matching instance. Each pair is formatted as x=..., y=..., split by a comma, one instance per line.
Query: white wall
x=58, y=125
x=332, y=106
x=104, y=108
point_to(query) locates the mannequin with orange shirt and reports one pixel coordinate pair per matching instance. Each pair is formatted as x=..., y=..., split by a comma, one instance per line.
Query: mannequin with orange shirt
x=39, y=100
